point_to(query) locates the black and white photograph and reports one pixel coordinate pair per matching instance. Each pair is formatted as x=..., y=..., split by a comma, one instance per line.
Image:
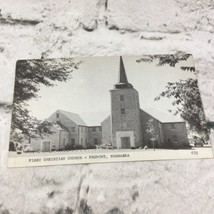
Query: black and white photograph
x=107, y=109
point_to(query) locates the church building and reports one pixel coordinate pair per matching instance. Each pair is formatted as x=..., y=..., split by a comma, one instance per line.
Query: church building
x=128, y=126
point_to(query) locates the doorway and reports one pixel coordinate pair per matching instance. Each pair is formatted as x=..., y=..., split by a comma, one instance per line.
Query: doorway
x=46, y=146
x=125, y=143
x=125, y=139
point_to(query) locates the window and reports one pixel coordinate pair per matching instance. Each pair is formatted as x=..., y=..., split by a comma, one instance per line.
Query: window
x=83, y=129
x=123, y=111
x=93, y=129
x=57, y=115
x=86, y=142
x=121, y=97
x=100, y=128
x=46, y=146
x=172, y=126
x=72, y=129
x=63, y=142
x=81, y=141
x=95, y=141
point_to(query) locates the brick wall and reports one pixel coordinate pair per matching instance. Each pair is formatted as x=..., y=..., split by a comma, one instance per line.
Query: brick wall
x=74, y=134
x=59, y=139
x=83, y=135
x=145, y=117
x=130, y=120
x=106, y=131
x=96, y=134
x=176, y=134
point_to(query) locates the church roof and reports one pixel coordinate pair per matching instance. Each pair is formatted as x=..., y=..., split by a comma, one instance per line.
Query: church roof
x=74, y=117
x=60, y=126
x=123, y=81
x=94, y=118
x=86, y=118
x=163, y=117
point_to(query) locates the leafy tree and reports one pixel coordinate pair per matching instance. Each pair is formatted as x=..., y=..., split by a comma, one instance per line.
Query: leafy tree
x=152, y=131
x=30, y=75
x=17, y=137
x=167, y=59
x=185, y=93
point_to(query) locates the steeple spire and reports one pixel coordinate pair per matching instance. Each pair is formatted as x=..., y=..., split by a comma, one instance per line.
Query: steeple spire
x=122, y=73
x=123, y=82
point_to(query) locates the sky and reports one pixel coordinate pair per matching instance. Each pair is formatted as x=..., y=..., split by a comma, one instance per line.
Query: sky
x=88, y=89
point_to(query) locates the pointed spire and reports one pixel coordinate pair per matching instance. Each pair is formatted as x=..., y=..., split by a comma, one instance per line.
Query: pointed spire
x=122, y=73
x=123, y=82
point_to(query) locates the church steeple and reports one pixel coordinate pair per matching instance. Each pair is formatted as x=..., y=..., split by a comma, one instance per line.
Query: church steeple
x=123, y=82
x=122, y=73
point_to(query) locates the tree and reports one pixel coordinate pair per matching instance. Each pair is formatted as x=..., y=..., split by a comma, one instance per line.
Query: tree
x=185, y=93
x=152, y=131
x=30, y=75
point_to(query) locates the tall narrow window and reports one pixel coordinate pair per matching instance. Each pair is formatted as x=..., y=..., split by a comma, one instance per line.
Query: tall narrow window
x=57, y=115
x=123, y=111
x=93, y=129
x=63, y=142
x=95, y=141
x=121, y=97
x=72, y=141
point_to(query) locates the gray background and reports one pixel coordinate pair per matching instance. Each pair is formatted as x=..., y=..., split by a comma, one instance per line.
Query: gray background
x=31, y=29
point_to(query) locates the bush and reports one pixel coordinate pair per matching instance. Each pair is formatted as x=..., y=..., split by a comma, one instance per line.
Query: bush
x=88, y=146
x=12, y=146
x=69, y=147
x=79, y=147
x=28, y=148
x=105, y=146
x=133, y=147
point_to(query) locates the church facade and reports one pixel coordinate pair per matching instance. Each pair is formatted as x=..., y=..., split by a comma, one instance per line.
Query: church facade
x=128, y=126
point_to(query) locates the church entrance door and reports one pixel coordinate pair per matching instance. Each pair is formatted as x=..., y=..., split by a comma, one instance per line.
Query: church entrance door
x=125, y=139
x=46, y=146
x=125, y=143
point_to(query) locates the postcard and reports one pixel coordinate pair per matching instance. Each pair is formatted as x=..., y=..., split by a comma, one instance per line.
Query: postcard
x=107, y=109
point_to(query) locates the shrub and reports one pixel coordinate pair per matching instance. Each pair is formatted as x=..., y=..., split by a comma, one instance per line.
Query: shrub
x=89, y=146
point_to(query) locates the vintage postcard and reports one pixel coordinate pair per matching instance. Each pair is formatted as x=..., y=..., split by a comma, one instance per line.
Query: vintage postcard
x=107, y=109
